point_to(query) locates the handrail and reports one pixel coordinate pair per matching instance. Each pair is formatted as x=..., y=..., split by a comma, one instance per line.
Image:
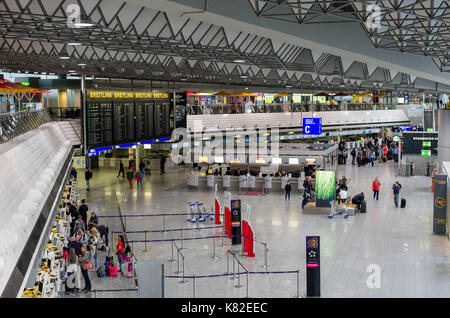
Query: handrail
x=18, y=123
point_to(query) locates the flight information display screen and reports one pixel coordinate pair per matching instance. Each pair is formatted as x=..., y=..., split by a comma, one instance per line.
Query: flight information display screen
x=115, y=118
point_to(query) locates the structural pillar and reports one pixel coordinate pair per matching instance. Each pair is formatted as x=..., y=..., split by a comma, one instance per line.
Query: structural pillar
x=84, y=120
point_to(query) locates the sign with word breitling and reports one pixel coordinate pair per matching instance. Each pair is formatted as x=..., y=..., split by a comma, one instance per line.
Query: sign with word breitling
x=125, y=95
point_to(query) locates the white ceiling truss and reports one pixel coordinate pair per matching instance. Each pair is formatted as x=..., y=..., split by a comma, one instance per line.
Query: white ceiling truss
x=134, y=42
x=413, y=26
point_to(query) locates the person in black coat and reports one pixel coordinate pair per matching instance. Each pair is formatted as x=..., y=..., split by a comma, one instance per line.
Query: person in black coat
x=287, y=189
x=83, y=209
x=357, y=199
x=73, y=211
x=121, y=170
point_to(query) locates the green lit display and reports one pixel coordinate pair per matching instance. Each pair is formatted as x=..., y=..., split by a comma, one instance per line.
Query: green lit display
x=426, y=144
x=426, y=153
x=325, y=185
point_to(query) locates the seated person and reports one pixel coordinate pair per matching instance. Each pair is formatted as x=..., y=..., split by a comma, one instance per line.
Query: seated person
x=357, y=199
x=342, y=196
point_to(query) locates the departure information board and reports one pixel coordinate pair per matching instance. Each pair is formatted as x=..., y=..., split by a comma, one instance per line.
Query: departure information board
x=118, y=117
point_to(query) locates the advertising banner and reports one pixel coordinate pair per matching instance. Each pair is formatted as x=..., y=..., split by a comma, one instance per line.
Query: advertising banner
x=235, y=222
x=313, y=266
x=325, y=189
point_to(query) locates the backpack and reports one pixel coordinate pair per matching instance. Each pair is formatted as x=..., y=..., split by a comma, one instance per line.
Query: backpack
x=101, y=271
x=140, y=176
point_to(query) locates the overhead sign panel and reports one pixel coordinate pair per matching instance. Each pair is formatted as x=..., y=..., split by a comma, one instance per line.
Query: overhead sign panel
x=312, y=126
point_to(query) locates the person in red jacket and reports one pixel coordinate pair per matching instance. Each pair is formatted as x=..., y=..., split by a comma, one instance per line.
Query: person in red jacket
x=376, y=187
x=120, y=252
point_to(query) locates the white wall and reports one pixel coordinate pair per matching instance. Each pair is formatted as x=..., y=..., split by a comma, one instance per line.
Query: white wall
x=28, y=170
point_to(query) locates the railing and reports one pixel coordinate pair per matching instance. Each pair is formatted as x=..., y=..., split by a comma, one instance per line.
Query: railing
x=18, y=123
x=61, y=113
x=214, y=109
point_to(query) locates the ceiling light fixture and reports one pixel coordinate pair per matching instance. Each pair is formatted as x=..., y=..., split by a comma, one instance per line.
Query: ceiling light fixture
x=74, y=43
x=64, y=55
x=239, y=61
x=84, y=22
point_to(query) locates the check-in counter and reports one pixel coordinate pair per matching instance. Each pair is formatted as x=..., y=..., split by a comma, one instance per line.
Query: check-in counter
x=244, y=183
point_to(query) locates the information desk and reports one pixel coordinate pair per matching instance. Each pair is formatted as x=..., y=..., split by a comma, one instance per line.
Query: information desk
x=47, y=283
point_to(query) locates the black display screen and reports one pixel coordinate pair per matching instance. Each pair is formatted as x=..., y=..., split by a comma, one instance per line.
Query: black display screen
x=114, y=121
x=415, y=142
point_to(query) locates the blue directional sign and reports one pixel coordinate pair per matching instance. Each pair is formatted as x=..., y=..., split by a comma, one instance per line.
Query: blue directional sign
x=312, y=126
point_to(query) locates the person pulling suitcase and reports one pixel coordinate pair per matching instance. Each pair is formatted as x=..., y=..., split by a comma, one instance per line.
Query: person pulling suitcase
x=396, y=189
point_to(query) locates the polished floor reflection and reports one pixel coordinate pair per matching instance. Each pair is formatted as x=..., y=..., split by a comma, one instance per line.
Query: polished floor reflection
x=413, y=261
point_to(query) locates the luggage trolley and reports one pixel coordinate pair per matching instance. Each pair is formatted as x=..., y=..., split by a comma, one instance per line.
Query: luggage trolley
x=336, y=210
x=192, y=217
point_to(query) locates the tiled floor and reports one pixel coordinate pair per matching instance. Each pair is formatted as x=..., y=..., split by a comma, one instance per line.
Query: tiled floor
x=413, y=261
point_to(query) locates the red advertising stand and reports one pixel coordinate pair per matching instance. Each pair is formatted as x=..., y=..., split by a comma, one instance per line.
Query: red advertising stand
x=217, y=211
x=227, y=221
x=247, y=232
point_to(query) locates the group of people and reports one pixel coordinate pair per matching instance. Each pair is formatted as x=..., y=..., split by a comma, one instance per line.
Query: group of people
x=81, y=253
x=371, y=150
x=82, y=249
x=138, y=175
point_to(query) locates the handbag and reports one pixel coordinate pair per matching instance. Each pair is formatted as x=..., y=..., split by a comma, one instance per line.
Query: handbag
x=87, y=266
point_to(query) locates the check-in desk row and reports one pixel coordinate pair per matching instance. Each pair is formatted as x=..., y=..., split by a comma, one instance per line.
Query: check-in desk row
x=244, y=183
x=52, y=267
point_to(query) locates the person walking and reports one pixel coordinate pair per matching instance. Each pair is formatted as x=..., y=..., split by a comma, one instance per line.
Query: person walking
x=121, y=170
x=353, y=153
x=396, y=189
x=141, y=166
x=162, y=165
x=86, y=265
x=287, y=189
x=372, y=157
x=74, y=173
x=104, y=232
x=72, y=281
x=376, y=187
x=130, y=177
x=88, y=177
x=147, y=168
x=139, y=177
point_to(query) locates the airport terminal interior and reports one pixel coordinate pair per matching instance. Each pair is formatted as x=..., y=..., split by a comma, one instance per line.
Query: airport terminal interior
x=224, y=149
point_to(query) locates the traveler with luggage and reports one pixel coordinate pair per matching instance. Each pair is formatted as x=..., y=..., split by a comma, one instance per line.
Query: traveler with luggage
x=396, y=189
x=129, y=260
x=139, y=177
x=358, y=199
x=342, y=195
x=94, y=237
x=130, y=177
x=85, y=265
x=287, y=189
x=88, y=177
x=79, y=236
x=376, y=187
x=120, y=252
x=72, y=277
x=104, y=233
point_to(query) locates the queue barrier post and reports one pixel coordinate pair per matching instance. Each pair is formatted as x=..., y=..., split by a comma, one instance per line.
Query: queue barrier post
x=164, y=223
x=214, y=247
x=298, y=284
x=247, y=284
x=125, y=224
x=145, y=243
x=193, y=280
x=112, y=237
x=172, y=259
x=250, y=241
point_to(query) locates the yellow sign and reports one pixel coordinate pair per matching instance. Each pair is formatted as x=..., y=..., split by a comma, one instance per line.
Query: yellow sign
x=439, y=202
x=126, y=95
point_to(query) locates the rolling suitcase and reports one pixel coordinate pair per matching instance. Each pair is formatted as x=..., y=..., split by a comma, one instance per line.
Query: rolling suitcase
x=403, y=203
x=363, y=207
